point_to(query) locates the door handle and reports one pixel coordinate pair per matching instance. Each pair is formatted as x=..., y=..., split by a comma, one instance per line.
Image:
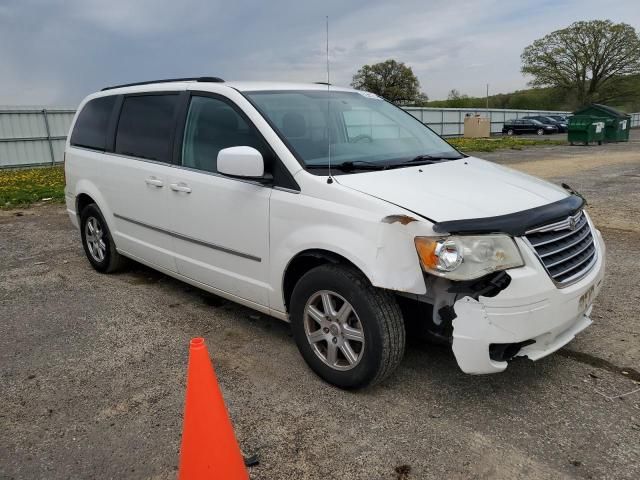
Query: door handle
x=156, y=182
x=180, y=187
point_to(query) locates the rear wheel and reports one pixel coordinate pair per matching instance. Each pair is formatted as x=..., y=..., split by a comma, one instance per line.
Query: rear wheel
x=510, y=132
x=97, y=241
x=350, y=333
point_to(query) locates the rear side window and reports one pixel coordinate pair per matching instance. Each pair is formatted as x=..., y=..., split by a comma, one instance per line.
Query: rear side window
x=145, y=127
x=90, y=130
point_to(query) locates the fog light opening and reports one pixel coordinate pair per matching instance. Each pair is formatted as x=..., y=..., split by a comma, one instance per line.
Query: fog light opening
x=503, y=352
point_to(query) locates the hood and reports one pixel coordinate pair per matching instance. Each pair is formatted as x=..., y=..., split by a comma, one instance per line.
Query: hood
x=456, y=189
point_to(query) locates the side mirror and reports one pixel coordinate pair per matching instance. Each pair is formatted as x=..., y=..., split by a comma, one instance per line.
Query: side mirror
x=244, y=162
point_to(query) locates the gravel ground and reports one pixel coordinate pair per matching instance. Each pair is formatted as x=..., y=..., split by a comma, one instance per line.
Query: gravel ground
x=93, y=368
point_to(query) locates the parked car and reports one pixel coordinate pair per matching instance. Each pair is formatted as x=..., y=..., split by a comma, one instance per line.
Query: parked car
x=522, y=125
x=334, y=210
x=560, y=118
x=547, y=120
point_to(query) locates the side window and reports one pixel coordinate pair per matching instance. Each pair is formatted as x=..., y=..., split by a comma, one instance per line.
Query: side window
x=90, y=130
x=145, y=126
x=211, y=126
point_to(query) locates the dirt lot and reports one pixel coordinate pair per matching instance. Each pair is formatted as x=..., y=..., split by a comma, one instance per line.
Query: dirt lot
x=93, y=367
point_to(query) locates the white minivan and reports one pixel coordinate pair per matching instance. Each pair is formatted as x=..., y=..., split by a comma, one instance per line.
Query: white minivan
x=334, y=210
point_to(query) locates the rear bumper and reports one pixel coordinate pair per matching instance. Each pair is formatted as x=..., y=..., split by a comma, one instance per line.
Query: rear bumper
x=531, y=308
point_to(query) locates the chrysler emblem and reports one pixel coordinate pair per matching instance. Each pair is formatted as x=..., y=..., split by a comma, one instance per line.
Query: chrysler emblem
x=572, y=223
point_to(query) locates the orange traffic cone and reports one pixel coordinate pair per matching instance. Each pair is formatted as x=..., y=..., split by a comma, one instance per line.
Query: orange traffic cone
x=209, y=448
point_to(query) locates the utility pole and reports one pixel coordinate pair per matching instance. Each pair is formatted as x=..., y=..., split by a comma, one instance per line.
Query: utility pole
x=487, y=97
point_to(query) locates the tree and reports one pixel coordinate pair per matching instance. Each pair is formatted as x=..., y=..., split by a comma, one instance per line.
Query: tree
x=583, y=59
x=390, y=79
x=455, y=99
x=454, y=94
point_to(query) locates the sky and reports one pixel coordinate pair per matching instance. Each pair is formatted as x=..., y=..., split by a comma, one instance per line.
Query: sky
x=57, y=52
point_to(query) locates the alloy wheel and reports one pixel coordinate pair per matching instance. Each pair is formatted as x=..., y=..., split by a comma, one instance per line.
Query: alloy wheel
x=334, y=330
x=94, y=236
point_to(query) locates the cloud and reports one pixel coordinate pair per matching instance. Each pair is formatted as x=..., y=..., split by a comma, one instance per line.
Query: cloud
x=58, y=52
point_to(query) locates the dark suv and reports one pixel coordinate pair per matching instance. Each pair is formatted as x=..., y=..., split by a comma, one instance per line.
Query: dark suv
x=524, y=125
x=548, y=120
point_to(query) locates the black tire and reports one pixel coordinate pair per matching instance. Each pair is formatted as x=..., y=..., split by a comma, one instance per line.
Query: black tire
x=510, y=132
x=378, y=313
x=111, y=261
x=540, y=131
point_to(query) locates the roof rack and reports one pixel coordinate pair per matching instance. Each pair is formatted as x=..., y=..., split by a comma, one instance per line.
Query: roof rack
x=168, y=80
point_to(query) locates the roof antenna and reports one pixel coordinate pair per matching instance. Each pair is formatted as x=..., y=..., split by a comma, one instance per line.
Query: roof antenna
x=330, y=179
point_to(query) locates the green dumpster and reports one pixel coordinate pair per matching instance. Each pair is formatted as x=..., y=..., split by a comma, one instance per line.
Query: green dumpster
x=586, y=129
x=617, y=130
x=617, y=123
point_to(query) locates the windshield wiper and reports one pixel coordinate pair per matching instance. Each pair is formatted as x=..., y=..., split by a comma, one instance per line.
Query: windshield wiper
x=424, y=159
x=350, y=166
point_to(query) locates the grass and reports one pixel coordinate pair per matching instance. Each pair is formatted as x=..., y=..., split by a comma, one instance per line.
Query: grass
x=496, y=143
x=24, y=187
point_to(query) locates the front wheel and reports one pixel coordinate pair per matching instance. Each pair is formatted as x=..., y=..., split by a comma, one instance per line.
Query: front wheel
x=510, y=132
x=540, y=131
x=350, y=333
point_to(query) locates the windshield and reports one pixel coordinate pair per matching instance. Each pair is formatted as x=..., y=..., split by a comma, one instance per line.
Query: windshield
x=363, y=128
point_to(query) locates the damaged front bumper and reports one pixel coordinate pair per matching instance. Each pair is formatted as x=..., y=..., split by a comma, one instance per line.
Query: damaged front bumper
x=531, y=317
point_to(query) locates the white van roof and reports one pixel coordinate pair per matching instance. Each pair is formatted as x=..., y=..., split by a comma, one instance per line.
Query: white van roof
x=238, y=85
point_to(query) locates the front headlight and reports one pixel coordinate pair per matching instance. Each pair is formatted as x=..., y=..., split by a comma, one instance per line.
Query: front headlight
x=466, y=257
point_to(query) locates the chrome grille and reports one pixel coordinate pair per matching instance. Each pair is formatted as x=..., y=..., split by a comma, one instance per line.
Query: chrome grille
x=566, y=248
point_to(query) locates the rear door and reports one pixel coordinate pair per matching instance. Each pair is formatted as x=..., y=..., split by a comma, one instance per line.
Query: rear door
x=518, y=126
x=221, y=223
x=138, y=174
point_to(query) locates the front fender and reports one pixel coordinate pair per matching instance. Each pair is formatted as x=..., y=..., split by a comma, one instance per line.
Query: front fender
x=379, y=244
